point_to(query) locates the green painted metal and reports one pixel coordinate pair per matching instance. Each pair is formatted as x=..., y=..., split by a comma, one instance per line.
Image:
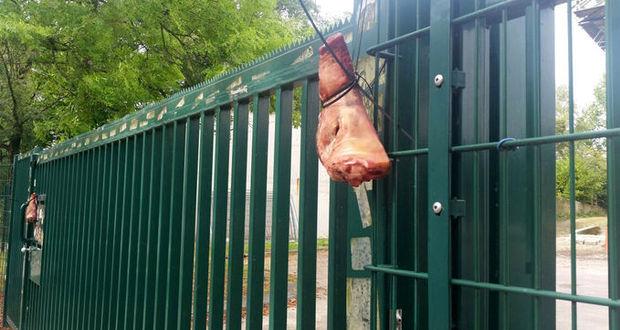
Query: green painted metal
x=137, y=232
x=612, y=12
x=203, y=221
x=143, y=212
x=439, y=166
x=144, y=317
x=278, y=288
x=237, y=216
x=337, y=263
x=158, y=311
x=308, y=177
x=174, y=228
x=220, y=203
x=258, y=198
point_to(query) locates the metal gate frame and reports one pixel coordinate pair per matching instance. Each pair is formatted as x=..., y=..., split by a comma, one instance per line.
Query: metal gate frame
x=448, y=287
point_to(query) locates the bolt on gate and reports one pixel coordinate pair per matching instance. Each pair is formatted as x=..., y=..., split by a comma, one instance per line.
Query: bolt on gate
x=461, y=234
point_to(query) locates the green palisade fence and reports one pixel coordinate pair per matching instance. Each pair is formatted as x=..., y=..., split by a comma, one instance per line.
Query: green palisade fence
x=140, y=231
x=136, y=218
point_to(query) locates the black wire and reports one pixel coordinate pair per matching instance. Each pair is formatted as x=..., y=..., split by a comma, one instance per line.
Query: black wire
x=329, y=48
x=354, y=77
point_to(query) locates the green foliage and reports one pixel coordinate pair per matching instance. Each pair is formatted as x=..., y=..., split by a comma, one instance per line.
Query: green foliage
x=590, y=156
x=79, y=64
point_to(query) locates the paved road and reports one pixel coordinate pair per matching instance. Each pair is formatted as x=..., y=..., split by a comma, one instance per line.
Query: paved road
x=592, y=281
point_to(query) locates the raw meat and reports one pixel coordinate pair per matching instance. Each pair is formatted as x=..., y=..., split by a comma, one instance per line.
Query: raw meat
x=347, y=143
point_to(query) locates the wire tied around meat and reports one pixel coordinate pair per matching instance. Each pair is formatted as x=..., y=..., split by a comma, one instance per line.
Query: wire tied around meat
x=347, y=143
x=340, y=93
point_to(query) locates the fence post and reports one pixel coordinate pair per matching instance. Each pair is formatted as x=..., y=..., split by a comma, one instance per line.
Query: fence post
x=613, y=154
x=439, y=166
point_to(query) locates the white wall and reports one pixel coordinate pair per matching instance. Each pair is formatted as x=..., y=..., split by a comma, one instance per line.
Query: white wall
x=323, y=197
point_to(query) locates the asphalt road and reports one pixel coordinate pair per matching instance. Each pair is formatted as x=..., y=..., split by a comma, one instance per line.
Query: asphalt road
x=592, y=281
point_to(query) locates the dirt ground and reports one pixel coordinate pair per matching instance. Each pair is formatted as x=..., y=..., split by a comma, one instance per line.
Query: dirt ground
x=321, y=291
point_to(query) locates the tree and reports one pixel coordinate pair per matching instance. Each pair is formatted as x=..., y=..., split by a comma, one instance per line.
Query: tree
x=18, y=91
x=85, y=62
x=590, y=155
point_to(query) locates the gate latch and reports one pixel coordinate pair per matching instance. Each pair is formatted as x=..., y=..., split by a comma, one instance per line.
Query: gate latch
x=457, y=208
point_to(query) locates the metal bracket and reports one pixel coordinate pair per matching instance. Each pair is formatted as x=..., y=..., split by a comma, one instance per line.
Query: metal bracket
x=458, y=79
x=457, y=208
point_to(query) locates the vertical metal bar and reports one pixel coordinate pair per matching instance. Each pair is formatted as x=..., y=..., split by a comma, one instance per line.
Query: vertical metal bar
x=612, y=35
x=159, y=311
x=110, y=240
x=377, y=279
x=43, y=176
x=151, y=271
x=85, y=204
x=258, y=201
x=571, y=160
x=503, y=179
x=476, y=221
x=218, y=244
x=188, y=222
x=78, y=234
x=121, y=179
x=237, y=216
x=70, y=176
x=98, y=258
x=125, y=226
x=337, y=262
x=72, y=250
x=143, y=219
x=86, y=222
x=152, y=229
x=75, y=225
x=439, y=166
x=51, y=228
x=308, y=195
x=533, y=104
x=90, y=222
x=174, y=232
x=203, y=221
x=278, y=287
x=416, y=144
x=134, y=220
x=394, y=177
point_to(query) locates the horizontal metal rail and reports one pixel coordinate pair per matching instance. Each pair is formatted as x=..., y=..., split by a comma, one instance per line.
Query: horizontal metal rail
x=511, y=144
x=400, y=39
x=414, y=152
x=376, y=49
x=488, y=10
x=387, y=269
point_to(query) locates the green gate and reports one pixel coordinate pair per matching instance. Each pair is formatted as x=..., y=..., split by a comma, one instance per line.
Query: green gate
x=461, y=233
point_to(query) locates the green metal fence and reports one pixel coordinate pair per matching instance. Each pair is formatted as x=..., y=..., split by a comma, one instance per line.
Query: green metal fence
x=130, y=238
x=462, y=233
x=467, y=232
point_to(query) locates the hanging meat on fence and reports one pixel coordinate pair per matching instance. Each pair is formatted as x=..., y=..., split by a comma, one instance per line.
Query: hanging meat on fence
x=347, y=143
